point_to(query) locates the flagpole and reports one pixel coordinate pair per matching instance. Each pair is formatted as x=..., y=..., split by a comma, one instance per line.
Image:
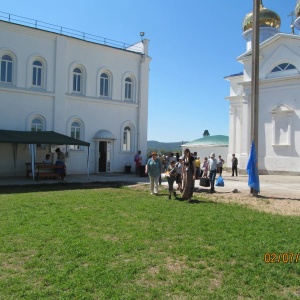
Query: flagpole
x=255, y=79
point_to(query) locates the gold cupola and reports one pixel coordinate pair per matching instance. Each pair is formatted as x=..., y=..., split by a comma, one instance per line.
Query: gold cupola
x=297, y=13
x=267, y=18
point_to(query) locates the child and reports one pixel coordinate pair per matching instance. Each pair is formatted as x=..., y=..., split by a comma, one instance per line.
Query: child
x=205, y=167
x=178, y=167
x=171, y=177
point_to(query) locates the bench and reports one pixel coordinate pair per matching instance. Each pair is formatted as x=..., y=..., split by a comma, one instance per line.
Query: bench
x=29, y=168
x=46, y=171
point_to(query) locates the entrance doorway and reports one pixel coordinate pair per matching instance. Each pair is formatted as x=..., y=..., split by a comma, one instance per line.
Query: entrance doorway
x=104, y=156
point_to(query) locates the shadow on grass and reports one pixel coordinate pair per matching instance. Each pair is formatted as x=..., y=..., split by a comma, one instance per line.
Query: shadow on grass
x=60, y=186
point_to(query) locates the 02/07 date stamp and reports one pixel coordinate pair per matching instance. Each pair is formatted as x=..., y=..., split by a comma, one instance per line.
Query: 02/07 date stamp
x=285, y=257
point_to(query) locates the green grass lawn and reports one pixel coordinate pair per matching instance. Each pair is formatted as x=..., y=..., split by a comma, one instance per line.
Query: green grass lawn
x=122, y=243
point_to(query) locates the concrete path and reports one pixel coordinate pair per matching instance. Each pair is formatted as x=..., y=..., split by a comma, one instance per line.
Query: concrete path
x=284, y=186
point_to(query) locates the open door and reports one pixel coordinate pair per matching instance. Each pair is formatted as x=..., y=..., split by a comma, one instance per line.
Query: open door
x=102, y=156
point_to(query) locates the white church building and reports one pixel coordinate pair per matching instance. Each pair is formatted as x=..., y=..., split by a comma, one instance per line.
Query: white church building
x=279, y=98
x=73, y=84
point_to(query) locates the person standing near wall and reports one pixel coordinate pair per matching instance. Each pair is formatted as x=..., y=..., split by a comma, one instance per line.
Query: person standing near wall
x=234, y=162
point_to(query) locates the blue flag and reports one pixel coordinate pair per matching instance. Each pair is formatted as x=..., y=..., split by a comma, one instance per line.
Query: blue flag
x=252, y=170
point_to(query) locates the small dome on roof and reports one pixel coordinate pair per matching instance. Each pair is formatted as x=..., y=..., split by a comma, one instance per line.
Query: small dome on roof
x=267, y=18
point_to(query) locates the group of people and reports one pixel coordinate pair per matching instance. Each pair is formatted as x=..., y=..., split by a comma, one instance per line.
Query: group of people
x=60, y=161
x=184, y=170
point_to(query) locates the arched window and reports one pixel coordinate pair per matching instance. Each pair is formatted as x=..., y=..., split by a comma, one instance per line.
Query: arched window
x=75, y=134
x=128, y=88
x=37, y=72
x=77, y=80
x=104, y=84
x=127, y=139
x=6, y=68
x=37, y=124
x=283, y=67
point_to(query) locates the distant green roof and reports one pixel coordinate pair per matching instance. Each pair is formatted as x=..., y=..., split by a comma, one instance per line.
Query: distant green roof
x=214, y=140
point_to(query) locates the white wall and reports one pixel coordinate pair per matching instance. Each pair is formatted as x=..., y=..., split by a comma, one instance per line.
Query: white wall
x=59, y=106
x=276, y=90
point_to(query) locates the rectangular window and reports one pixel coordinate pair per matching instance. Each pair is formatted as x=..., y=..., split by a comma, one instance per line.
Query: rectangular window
x=104, y=87
x=37, y=76
x=75, y=134
x=76, y=83
x=127, y=91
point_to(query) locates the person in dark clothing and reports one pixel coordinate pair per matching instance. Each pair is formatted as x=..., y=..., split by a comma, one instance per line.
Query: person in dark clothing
x=234, y=162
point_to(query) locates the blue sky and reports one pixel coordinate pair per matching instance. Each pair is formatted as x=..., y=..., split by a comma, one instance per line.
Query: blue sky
x=193, y=45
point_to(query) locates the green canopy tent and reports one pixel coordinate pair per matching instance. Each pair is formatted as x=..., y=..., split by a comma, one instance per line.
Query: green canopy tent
x=38, y=137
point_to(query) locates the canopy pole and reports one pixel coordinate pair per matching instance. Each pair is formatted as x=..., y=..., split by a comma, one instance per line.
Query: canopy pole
x=88, y=163
x=33, y=158
x=15, y=152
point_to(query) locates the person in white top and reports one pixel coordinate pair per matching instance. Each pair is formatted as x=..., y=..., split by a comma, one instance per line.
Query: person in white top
x=212, y=167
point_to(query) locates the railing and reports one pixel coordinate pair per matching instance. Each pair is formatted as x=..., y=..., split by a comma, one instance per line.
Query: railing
x=68, y=32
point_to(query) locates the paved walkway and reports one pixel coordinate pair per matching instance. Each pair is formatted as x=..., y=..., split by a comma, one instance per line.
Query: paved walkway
x=285, y=186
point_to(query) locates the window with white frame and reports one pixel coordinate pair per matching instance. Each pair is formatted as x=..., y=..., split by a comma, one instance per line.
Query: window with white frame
x=6, y=68
x=75, y=134
x=77, y=80
x=282, y=70
x=37, y=124
x=283, y=67
x=128, y=88
x=37, y=73
x=127, y=139
x=104, y=84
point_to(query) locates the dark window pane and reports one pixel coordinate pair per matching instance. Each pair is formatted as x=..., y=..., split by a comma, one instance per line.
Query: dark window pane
x=6, y=57
x=106, y=88
x=39, y=79
x=74, y=83
x=37, y=63
x=276, y=69
x=9, y=72
x=3, y=70
x=34, y=76
x=290, y=67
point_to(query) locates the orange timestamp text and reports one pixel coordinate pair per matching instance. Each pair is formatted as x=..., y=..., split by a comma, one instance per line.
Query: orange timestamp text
x=285, y=257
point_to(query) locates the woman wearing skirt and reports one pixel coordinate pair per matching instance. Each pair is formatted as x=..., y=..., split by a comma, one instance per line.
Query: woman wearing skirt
x=189, y=175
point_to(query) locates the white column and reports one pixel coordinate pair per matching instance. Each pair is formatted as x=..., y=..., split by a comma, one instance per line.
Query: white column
x=289, y=133
x=232, y=134
x=273, y=129
x=239, y=133
x=245, y=137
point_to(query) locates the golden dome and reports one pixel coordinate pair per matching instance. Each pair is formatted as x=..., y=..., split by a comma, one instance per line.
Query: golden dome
x=297, y=9
x=267, y=18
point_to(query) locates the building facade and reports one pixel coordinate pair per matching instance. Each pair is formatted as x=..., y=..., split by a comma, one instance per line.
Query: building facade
x=279, y=99
x=89, y=91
